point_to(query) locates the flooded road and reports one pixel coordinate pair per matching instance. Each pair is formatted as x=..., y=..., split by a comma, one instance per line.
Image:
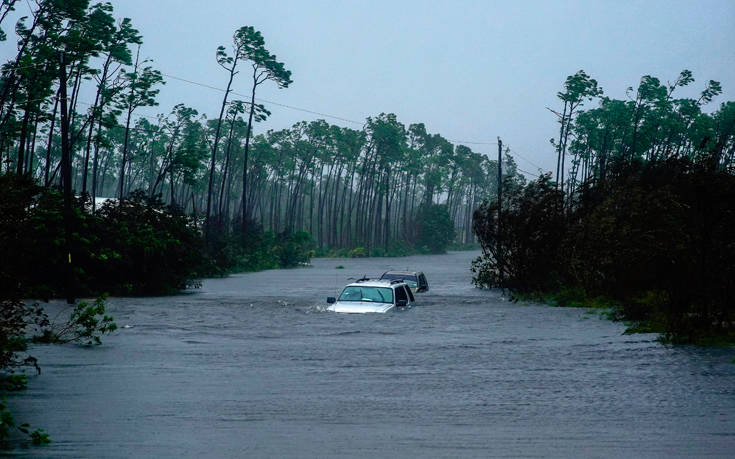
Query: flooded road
x=252, y=366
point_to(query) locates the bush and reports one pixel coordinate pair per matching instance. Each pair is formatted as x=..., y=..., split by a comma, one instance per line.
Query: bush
x=86, y=324
x=146, y=247
x=133, y=246
x=655, y=238
x=15, y=318
x=531, y=234
x=256, y=249
x=435, y=228
x=357, y=252
x=293, y=249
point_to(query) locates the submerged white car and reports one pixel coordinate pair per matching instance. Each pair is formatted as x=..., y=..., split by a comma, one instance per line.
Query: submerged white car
x=367, y=295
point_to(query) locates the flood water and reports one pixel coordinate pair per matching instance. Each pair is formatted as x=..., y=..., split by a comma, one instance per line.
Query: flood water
x=252, y=366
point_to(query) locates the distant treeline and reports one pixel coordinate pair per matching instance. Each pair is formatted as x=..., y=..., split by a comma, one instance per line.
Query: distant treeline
x=76, y=84
x=642, y=220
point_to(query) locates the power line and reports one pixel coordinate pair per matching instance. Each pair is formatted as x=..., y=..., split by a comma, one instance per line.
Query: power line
x=527, y=173
x=291, y=107
x=471, y=142
x=526, y=159
x=306, y=110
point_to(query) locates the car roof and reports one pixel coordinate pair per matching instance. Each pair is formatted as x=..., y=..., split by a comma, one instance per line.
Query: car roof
x=403, y=273
x=375, y=283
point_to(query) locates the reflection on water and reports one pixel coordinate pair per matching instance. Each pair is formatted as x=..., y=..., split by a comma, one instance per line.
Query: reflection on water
x=252, y=365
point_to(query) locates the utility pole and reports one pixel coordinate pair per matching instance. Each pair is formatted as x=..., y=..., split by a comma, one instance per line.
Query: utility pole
x=66, y=179
x=500, y=208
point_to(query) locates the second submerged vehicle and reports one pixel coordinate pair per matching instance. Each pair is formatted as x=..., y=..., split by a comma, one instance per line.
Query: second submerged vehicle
x=414, y=279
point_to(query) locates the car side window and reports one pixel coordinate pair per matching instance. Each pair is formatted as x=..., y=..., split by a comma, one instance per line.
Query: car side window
x=401, y=294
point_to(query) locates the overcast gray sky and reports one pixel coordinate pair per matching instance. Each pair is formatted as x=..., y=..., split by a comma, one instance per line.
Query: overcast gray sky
x=470, y=70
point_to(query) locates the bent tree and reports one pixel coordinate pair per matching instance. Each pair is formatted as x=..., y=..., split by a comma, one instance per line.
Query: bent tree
x=141, y=93
x=248, y=45
x=348, y=187
x=265, y=67
x=242, y=46
x=577, y=88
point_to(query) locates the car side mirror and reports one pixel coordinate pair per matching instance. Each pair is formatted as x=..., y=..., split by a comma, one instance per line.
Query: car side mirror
x=400, y=303
x=331, y=300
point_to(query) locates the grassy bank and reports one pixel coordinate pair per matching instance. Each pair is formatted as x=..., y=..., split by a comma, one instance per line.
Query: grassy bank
x=612, y=309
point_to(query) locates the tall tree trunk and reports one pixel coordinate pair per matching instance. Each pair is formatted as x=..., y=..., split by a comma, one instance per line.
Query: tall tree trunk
x=247, y=152
x=95, y=162
x=32, y=150
x=214, y=149
x=50, y=141
x=226, y=169
x=558, y=147
x=127, y=129
x=66, y=178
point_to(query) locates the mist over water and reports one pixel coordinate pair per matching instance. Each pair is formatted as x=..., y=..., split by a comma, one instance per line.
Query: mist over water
x=252, y=366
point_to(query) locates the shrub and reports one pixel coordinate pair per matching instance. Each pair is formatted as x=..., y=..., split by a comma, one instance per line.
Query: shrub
x=654, y=238
x=435, y=228
x=293, y=249
x=531, y=234
x=86, y=324
x=147, y=246
x=133, y=246
x=357, y=252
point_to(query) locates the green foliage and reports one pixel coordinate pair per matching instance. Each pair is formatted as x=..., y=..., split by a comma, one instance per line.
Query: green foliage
x=15, y=318
x=435, y=228
x=643, y=217
x=146, y=245
x=396, y=248
x=134, y=246
x=349, y=188
x=40, y=437
x=531, y=231
x=12, y=383
x=568, y=297
x=8, y=423
x=256, y=250
x=86, y=325
x=458, y=246
x=357, y=252
x=293, y=249
x=250, y=45
x=655, y=238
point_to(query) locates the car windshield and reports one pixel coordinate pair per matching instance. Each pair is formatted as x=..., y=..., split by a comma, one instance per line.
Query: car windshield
x=409, y=279
x=376, y=294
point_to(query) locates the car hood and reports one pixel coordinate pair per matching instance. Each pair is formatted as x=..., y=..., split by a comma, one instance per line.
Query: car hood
x=359, y=307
